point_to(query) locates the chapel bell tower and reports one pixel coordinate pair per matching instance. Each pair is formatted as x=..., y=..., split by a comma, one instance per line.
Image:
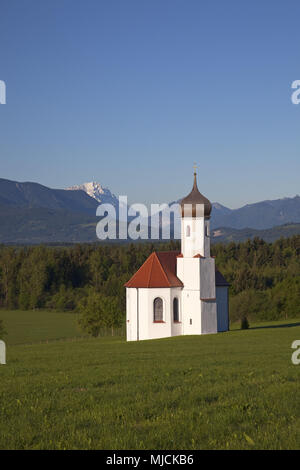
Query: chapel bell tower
x=195, y=221
x=195, y=266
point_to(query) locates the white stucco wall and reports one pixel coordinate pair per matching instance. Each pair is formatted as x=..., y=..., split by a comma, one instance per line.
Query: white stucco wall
x=208, y=317
x=139, y=313
x=157, y=330
x=188, y=271
x=198, y=274
x=207, y=278
x=131, y=314
x=176, y=328
x=222, y=308
x=198, y=277
x=191, y=306
x=198, y=242
x=193, y=244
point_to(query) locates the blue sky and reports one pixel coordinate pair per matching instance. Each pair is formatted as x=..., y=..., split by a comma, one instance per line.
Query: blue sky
x=131, y=92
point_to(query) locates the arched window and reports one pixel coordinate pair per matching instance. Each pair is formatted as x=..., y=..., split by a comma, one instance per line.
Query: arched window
x=175, y=310
x=188, y=231
x=158, y=309
x=206, y=231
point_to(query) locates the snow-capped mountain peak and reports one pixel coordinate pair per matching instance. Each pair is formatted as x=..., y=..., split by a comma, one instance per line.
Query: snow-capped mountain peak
x=96, y=191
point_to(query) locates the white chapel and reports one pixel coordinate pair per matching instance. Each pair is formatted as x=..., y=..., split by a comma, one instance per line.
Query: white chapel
x=180, y=293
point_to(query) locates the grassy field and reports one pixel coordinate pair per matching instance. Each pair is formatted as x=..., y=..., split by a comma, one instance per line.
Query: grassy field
x=235, y=390
x=38, y=325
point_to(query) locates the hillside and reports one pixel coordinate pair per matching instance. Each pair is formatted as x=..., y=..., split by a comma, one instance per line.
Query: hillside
x=33, y=195
x=226, y=235
x=41, y=225
x=261, y=215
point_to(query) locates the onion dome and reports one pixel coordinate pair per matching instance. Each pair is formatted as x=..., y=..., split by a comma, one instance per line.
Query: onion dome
x=192, y=200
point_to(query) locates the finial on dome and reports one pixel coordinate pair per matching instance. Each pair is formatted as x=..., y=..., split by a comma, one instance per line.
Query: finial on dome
x=195, y=198
x=195, y=175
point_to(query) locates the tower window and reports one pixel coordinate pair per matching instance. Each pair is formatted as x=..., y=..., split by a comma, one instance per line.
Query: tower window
x=175, y=310
x=158, y=310
x=188, y=231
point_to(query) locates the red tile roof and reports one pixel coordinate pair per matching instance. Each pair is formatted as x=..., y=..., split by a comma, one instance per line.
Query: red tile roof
x=159, y=270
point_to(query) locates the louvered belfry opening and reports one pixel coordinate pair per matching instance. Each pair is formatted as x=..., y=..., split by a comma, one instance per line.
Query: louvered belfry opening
x=158, y=310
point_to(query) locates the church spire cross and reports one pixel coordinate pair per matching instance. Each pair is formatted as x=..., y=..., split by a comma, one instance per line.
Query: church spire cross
x=195, y=175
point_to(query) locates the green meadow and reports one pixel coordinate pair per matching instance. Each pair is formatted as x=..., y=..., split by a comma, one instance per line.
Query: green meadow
x=33, y=326
x=234, y=390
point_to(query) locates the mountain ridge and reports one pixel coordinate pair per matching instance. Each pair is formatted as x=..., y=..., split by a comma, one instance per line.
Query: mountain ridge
x=29, y=209
x=259, y=215
x=35, y=195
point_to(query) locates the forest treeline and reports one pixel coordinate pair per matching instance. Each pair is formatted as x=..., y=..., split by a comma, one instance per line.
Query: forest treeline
x=264, y=278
